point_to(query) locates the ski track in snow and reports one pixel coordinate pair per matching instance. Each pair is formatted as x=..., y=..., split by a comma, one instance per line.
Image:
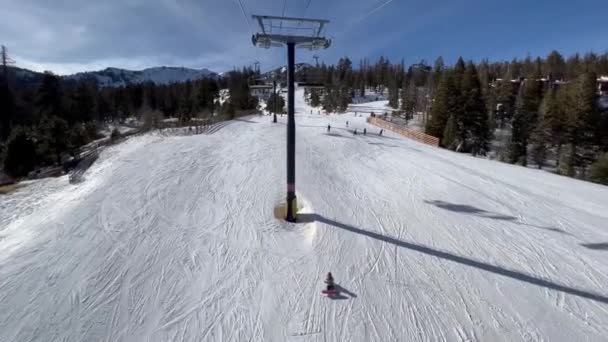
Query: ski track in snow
x=172, y=238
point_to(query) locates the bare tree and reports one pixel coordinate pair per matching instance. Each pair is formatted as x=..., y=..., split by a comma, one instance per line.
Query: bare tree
x=6, y=61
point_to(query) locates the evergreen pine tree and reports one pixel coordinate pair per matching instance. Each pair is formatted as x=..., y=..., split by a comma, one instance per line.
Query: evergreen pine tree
x=585, y=118
x=315, y=100
x=20, y=157
x=446, y=103
x=104, y=106
x=516, y=152
x=459, y=67
x=329, y=99
x=540, y=138
x=599, y=170
x=450, y=133
x=457, y=106
x=393, y=92
x=7, y=110
x=438, y=69
x=567, y=160
x=538, y=151
x=555, y=66
x=52, y=137
x=439, y=115
x=409, y=100
x=549, y=128
x=275, y=101
x=50, y=97
x=525, y=117
x=573, y=67
x=484, y=77
x=343, y=95
x=474, y=118
x=505, y=98
x=206, y=93
x=185, y=110
x=83, y=103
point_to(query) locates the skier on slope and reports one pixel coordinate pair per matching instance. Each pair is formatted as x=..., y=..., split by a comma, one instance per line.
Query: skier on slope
x=330, y=282
x=328, y=127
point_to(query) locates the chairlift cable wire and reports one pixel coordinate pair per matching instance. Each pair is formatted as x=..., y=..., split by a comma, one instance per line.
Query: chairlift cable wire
x=245, y=15
x=367, y=15
x=283, y=14
x=376, y=9
x=248, y=24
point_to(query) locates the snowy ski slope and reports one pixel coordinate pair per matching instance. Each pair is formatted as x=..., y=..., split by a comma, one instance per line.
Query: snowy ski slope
x=174, y=239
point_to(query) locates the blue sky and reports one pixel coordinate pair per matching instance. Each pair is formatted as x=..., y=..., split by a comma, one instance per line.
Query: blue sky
x=67, y=36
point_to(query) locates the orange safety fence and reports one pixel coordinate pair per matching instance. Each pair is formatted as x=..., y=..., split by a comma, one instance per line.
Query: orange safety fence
x=404, y=131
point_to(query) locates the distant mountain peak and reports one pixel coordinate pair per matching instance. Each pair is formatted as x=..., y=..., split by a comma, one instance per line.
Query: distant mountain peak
x=116, y=77
x=281, y=72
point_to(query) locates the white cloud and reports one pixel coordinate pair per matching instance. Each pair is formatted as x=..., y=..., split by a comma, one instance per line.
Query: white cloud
x=68, y=35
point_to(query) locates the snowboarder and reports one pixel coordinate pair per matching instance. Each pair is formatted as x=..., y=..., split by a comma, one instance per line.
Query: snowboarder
x=331, y=290
x=380, y=134
x=364, y=131
x=328, y=128
x=330, y=282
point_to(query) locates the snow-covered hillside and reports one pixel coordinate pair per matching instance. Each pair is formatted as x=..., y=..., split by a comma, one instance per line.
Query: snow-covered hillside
x=113, y=77
x=174, y=238
x=281, y=72
x=24, y=77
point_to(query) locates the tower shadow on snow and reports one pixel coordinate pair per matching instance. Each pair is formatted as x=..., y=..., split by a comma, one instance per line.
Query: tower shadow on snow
x=382, y=144
x=597, y=246
x=335, y=135
x=468, y=209
x=245, y=120
x=517, y=275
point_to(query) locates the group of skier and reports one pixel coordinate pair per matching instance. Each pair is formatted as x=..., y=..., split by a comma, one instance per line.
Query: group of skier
x=355, y=130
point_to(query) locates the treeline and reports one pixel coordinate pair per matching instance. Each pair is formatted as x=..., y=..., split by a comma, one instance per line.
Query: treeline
x=44, y=124
x=542, y=111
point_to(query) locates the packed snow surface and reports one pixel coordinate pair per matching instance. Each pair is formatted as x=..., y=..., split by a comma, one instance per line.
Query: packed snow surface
x=174, y=239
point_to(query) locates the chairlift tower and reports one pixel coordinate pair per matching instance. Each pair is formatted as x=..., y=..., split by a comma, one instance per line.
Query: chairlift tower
x=291, y=32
